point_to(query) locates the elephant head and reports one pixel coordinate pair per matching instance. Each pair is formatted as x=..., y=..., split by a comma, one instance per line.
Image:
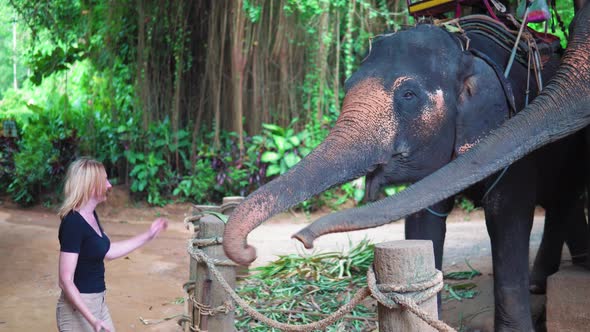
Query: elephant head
x=563, y=108
x=398, y=123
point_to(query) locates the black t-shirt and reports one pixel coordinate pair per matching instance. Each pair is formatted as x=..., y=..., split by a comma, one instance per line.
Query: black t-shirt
x=77, y=236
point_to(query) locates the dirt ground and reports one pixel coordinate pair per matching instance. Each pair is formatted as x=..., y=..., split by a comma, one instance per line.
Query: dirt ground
x=147, y=283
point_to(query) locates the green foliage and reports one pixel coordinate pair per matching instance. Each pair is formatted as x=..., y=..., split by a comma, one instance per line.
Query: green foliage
x=43, y=153
x=8, y=149
x=460, y=290
x=31, y=169
x=146, y=175
x=99, y=85
x=253, y=11
x=194, y=187
x=565, y=11
x=83, y=59
x=46, y=64
x=463, y=275
x=392, y=190
x=465, y=204
x=289, y=288
x=11, y=54
x=297, y=284
x=284, y=148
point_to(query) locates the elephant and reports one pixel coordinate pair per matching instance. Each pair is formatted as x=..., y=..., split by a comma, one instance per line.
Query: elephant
x=402, y=119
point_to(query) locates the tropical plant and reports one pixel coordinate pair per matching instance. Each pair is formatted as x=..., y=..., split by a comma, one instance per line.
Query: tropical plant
x=284, y=147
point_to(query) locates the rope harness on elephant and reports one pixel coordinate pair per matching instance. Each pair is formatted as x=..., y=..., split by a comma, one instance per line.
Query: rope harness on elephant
x=521, y=44
x=406, y=297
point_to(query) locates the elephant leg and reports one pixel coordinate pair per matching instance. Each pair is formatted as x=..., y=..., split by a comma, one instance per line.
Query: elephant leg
x=564, y=221
x=509, y=216
x=577, y=235
x=587, y=160
x=425, y=225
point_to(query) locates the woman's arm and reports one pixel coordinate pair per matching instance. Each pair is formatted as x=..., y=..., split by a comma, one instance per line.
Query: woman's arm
x=67, y=267
x=122, y=248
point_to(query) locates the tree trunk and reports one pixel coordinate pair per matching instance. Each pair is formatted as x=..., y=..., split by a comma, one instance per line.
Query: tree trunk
x=14, y=57
x=179, y=57
x=238, y=64
x=142, y=83
x=322, y=55
x=337, y=62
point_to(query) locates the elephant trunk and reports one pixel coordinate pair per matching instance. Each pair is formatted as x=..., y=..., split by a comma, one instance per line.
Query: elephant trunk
x=560, y=110
x=351, y=149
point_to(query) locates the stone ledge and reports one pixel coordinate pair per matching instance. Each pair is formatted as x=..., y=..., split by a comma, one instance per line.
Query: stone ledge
x=568, y=299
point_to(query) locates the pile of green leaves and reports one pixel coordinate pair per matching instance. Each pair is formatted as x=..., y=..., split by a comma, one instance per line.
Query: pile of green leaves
x=297, y=289
x=302, y=289
x=460, y=290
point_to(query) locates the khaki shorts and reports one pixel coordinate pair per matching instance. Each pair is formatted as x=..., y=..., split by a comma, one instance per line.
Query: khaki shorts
x=70, y=319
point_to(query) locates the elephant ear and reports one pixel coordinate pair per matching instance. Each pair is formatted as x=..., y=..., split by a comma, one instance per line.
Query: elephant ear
x=485, y=101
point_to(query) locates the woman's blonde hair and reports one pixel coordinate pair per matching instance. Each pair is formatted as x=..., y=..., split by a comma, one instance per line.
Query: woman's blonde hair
x=85, y=178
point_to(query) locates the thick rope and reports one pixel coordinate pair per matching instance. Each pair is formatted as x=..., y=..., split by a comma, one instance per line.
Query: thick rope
x=431, y=287
x=207, y=310
x=191, y=220
x=209, y=242
x=206, y=242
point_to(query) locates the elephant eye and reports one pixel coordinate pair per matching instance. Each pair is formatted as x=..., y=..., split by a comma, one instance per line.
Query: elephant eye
x=409, y=95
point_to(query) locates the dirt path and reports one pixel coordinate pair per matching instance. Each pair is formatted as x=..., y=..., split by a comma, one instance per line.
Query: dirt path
x=148, y=282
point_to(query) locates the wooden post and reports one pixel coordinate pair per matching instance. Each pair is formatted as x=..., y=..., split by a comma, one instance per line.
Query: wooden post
x=229, y=203
x=207, y=290
x=197, y=209
x=192, y=277
x=404, y=263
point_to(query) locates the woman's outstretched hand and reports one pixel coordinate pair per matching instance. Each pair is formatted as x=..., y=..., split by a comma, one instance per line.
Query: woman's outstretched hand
x=158, y=226
x=100, y=326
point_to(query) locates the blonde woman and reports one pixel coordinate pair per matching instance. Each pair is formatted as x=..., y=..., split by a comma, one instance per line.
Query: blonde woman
x=84, y=246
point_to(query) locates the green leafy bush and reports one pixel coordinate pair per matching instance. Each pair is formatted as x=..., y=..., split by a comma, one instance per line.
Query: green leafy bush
x=146, y=176
x=195, y=187
x=284, y=148
x=31, y=169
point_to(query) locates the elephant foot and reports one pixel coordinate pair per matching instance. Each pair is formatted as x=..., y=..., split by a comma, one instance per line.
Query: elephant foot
x=538, y=288
x=580, y=260
x=306, y=237
x=538, y=283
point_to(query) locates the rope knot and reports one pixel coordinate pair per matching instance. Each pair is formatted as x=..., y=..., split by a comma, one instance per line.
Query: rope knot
x=404, y=295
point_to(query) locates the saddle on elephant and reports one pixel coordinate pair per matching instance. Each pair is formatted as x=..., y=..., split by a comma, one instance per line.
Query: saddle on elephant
x=504, y=31
x=538, y=10
x=527, y=47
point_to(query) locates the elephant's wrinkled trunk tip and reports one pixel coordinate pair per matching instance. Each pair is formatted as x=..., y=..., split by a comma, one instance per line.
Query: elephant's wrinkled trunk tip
x=306, y=237
x=241, y=253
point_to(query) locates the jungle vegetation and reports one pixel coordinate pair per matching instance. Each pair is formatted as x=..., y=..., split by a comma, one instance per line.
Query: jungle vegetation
x=182, y=100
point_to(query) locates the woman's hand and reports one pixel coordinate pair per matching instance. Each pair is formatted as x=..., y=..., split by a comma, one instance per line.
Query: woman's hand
x=158, y=226
x=100, y=326
x=122, y=248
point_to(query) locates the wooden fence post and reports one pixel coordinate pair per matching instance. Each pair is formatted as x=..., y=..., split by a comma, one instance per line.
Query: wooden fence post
x=229, y=203
x=196, y=211
x=207, y=291
x=404, y=263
